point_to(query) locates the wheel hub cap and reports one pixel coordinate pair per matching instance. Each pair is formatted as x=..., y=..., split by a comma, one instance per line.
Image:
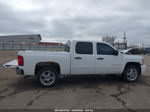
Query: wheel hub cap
x=132, y=74
x=47, y=77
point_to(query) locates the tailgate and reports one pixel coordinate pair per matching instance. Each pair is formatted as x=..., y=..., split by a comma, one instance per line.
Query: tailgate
x=11, y=64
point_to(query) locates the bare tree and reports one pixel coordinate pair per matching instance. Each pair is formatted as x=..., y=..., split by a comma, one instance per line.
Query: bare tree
x=109, y=39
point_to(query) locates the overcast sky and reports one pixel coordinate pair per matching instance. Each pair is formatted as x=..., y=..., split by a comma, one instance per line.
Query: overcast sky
x=77, y=19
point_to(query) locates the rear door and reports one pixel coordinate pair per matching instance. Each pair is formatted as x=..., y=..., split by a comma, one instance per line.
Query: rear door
x=83, y=58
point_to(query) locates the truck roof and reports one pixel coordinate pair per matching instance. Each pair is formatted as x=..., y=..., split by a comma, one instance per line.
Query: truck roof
x=87, y=41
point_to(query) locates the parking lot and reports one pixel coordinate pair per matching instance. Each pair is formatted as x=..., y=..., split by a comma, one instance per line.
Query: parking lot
x=94, y=92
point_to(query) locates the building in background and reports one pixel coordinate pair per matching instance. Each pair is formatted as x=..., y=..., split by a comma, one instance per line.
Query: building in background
x=51, y=43
x=28, y=42
x=21, y=39
x=120, y=45
x=109, y=39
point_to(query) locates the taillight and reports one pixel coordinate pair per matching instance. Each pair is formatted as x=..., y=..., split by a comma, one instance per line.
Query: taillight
x=20, y=60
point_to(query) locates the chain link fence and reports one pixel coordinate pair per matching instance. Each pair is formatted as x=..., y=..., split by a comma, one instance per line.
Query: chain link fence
x=30, y=47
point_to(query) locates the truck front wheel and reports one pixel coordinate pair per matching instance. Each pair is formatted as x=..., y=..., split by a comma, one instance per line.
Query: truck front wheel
x=131, y=73
x=47, y=77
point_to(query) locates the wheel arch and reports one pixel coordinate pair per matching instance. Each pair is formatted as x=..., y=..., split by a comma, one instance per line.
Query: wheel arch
x=50, y=64
x=133, y=63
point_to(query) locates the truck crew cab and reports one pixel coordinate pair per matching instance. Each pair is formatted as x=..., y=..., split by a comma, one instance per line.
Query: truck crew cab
x=79, y=58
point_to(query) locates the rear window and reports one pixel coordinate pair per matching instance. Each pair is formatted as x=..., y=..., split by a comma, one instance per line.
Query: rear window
x=84, y=48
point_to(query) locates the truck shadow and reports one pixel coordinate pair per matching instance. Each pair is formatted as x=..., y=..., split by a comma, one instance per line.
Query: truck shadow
x=73, y=83
x=31, y=83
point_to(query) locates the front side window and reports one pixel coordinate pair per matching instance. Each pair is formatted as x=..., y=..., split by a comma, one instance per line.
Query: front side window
x=104, y=49
x=84, y=48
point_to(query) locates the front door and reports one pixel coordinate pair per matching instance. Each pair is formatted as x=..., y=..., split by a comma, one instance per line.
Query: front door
x=106, y=61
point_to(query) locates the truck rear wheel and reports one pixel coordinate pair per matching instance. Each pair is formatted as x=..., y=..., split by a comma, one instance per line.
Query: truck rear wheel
x=47, y=77
x=131, y=73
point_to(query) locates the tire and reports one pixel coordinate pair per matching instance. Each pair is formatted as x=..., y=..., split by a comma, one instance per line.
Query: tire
x=47, y=77
x=131, y=73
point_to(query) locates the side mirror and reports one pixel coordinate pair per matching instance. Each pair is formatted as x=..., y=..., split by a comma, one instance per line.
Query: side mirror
x=116, y=53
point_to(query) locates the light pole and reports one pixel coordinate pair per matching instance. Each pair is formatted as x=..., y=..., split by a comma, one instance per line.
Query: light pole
x=124, y=37
x=125, y=43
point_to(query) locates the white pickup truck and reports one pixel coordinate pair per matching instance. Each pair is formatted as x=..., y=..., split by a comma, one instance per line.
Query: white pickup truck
x=79, y=58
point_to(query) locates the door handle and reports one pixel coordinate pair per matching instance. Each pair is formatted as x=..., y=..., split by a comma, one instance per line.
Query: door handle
x=100, y=58
x=77, y=58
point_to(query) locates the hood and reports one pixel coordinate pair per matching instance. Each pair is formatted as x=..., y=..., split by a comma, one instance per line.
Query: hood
x=133, y=58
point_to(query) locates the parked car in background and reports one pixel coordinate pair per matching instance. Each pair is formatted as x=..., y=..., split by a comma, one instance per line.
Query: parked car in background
x=132, y=51
x=146, y=50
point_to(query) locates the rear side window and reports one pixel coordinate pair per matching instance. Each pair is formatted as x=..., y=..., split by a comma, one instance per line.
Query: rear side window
x=104, y=49
x=84, y=48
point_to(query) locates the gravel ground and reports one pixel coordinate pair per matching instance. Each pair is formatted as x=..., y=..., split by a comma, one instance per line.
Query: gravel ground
x=97, y=92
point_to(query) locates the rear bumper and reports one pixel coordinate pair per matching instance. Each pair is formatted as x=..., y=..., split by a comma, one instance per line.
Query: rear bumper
x=143, y=68
x=19, y=71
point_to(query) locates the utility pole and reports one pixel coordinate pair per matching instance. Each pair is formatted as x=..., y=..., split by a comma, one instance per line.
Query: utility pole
x=125, y=43
x=143, y=47
x=124, y=37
